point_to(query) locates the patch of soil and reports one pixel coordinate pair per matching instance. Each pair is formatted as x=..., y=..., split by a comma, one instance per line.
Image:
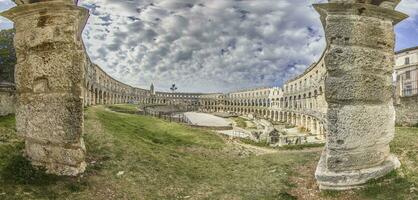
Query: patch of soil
x=304, y=185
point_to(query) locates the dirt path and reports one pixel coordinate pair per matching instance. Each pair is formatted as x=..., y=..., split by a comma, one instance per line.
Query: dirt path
x=257, y=150
x=248, y=148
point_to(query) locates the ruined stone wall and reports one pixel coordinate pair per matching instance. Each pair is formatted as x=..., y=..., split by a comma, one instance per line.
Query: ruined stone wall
x=300, y=102
x=166, y=98
x=407, y=111
x=248, y=101
x=304, y=103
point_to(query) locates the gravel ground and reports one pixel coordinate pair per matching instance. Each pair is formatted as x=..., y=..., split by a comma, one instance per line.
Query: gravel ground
x=203, y=119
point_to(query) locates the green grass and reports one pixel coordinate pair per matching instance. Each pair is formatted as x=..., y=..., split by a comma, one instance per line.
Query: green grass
x=300, y=146
x=124, y=108
x=163, y=160
x=287, y=147
x=240, y=122
x=160, y=160
x=289, y=126
x=254, y=143
x=403, y=183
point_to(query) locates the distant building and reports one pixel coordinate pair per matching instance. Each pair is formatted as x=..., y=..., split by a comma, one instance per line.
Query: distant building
x=406, y=81
x=152, y=90
x=406, y=72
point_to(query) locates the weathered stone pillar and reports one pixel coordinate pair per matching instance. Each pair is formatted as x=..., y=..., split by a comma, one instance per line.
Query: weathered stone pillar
x=90, y=96
x=49, y=82
x=85, y=98
x=358, y=89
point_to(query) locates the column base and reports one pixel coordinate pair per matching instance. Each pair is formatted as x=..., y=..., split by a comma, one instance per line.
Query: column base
x=57, y=159
x=62, y=170
x=347, y=180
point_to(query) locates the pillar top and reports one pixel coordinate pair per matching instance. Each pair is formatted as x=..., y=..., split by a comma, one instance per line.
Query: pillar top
x=21, y=2
x=390, y=4
x=27, y=7
x=360, y=9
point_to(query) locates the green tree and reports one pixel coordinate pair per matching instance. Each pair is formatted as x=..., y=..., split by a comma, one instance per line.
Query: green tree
x=7, y=56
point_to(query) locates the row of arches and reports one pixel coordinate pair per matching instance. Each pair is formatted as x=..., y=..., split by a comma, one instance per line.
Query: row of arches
x=238, y=102
x=98, y=96
x=169, y=101
x=309, y=122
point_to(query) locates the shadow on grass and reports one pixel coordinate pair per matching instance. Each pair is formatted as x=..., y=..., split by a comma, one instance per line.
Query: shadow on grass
x=19, y=170
x=392, y=186
x=285, y=196
x=19, y=175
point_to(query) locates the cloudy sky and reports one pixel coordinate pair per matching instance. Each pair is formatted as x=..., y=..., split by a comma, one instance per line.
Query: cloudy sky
x=209, y=45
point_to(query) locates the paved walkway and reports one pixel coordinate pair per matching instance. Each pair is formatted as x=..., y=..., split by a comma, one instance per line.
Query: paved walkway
x=208, y=120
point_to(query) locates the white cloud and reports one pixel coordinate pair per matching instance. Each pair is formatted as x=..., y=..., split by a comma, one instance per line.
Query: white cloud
x=203, y=45
x=5, y=23
x=410, y=7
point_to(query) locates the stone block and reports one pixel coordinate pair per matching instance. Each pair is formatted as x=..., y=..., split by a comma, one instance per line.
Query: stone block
x=358, y=87
x=352, y=179
x=50, y=117
x=71, y=155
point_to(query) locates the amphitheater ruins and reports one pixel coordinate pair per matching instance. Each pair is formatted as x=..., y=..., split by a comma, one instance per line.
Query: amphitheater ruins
x=344, y=98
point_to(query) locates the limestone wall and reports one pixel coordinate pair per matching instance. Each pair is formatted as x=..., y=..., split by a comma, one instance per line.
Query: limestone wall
x=407, y=111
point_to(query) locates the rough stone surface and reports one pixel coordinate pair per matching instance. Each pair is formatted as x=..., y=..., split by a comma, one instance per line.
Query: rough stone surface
x=49, y=79
x=355, y=178
x=358, y=88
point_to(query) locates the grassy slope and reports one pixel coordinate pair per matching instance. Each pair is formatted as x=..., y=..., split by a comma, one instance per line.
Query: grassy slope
x=240, y=122
x=163, y=160
x=125, y=108
x=160, y=160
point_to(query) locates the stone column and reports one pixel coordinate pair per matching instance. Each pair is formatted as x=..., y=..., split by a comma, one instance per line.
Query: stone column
x=88, y=96
x=49, y=82
x=92, y=99
x=358, y=89
x=85, y=97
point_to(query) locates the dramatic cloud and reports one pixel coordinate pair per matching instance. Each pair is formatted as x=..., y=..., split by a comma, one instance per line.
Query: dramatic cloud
x=203, y=45
x=4, y=5
x=407, y=31
x=209, y=46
